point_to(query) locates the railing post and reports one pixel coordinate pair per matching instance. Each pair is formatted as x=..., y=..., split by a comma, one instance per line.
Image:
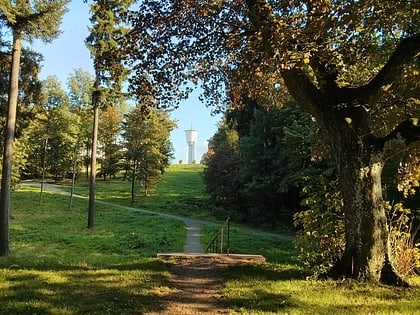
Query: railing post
x=220, y=233
x=221, y=241
x=228, y=237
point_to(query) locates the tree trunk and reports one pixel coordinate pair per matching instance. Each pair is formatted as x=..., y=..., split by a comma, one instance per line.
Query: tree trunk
x=92, y=177
x=133, y=181
x=366, y=253
x=146, y=180
x=8, y=146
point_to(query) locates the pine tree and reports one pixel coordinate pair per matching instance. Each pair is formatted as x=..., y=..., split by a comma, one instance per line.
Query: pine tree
x=27, y=20
x=107, y=30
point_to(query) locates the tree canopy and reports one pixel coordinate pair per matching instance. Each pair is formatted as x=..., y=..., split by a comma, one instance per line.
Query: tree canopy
x=353, y=65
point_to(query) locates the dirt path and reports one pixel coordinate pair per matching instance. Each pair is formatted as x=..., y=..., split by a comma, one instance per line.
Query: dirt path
x=194, y=287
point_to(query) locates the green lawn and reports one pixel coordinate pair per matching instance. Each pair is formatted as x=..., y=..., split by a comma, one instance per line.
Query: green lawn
x=58, y=266
x=181, y=192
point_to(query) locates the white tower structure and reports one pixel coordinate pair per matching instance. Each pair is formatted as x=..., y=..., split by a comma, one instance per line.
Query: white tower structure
x=191, y=137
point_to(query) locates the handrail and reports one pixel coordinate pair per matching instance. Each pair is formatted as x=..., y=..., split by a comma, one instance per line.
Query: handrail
x=218, y=239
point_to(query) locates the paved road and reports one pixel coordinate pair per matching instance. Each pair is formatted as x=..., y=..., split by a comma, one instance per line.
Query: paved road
x=192, y=242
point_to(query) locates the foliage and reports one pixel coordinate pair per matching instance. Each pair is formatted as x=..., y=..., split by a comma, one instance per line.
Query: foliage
x=404, y=252
x=320, y=236
x=53, y=135
x=26, y=20
x=408, y=176
x=275, y=159
x=221, y=164
x=354, y=72
x=147, y=141
x=110, y=73
x=80, y=87
x=30, y=97
x=257, y=163
x=109, y=130
x=107, y=29
x=34, y=19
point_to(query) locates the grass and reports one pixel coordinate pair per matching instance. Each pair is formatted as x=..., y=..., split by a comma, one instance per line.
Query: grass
x=181, y=192
x=278, y=289
x=58, y=266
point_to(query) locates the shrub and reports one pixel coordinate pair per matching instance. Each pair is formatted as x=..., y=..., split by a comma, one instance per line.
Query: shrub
x=320, y=237
x=404, y=253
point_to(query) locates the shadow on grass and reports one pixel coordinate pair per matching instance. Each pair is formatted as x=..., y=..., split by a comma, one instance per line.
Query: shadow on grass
x=130, y=288
x=260, y=300
x=265, y=272
x=271, y=288
x=255, y=296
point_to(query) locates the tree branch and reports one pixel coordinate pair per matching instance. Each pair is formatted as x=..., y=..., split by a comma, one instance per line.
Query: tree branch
x=405, y=136
x=303, y=91
x=407, y=50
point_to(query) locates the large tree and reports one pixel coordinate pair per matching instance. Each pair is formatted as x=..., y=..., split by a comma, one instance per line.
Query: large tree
x=26, y=20
x=103, y=42
x=353, y=65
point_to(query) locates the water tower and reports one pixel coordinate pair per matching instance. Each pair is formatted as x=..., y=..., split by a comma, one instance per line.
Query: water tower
x=191, y=137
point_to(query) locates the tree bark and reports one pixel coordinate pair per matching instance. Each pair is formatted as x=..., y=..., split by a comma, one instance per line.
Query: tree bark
x=133, y=180
x=366, y=231
x=360, y=159
x=8, y=146
x=92, y=177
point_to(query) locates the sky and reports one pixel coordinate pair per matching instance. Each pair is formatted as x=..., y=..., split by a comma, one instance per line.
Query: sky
x=69, y=52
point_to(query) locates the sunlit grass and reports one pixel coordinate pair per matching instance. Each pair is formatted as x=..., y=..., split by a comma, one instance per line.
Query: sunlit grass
x=279, y=289
x=58, y=266
x=180, y=192
x=122, y=289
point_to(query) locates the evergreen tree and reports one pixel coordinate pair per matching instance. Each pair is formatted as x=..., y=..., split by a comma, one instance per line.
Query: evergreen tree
x=107, y=30
x=221, y=167
x=27, y=20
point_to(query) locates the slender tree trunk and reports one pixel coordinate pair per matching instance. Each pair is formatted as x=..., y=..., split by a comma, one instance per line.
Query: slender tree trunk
x=92, y=178
x=44, y=163
x=8, y=146
x=133, y=181
x=146, y=180
x=73, y=177
x=86, y=160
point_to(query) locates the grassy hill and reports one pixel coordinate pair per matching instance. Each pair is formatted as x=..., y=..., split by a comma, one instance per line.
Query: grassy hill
x=58, y=266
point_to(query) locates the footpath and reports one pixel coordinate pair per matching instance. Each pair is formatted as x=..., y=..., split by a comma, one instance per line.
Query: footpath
x=192, y=242
x=194, y=286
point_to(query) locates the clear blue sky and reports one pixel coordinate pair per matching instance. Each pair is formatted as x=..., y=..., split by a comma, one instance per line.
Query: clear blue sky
x=68, y=52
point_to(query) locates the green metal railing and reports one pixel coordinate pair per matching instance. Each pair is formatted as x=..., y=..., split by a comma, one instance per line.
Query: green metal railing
x=219, y=239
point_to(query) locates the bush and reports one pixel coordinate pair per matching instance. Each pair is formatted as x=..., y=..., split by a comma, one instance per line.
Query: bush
x=404, y=253
x=320, y=237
